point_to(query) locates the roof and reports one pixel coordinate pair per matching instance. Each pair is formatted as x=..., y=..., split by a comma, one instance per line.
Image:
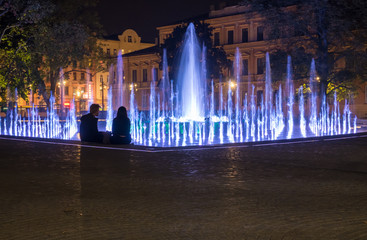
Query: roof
x=151, y=50
x=191, y=19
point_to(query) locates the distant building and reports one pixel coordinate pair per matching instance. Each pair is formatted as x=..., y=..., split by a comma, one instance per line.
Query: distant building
x=83, y=82
x=234, y=27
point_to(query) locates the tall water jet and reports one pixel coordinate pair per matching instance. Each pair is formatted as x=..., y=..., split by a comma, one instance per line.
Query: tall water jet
x=204, y=80
x=164, y=86
x=120, y=81
x=313, y=95
x=302, y=120
x=109, y=118
x=62, y=90
x=190, y=84
x=290, y=102
x=268, y=96
x=237, y=70
x=89, y=88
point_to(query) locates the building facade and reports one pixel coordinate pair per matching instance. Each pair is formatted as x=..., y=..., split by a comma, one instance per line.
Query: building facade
x=233, y=27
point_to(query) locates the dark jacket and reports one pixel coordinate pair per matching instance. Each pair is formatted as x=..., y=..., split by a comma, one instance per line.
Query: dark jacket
x=121, y=126
x=88, y=129
x=121, y=131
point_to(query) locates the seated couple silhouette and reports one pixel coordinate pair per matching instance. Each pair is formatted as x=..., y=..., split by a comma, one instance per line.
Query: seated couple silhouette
x=120, y=127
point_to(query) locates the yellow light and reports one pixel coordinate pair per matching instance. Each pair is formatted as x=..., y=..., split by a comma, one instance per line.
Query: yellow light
x=232, y=84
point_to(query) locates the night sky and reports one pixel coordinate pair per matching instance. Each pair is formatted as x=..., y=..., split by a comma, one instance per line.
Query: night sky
x=145, y=15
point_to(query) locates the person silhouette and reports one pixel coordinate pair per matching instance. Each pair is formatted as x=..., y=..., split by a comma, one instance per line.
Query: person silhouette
x=121, y=127
x=89, y=127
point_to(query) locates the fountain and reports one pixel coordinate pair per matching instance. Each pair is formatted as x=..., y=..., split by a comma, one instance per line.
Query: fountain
x=189, y=79
x=186, y=112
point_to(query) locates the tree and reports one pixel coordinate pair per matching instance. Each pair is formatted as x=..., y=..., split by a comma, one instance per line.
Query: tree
x=216, y=59
x=18, y=69
x=333, y=31
x=40, y=37
x=66, y=36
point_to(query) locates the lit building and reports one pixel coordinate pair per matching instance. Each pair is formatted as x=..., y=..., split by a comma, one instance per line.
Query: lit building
x=234, y=27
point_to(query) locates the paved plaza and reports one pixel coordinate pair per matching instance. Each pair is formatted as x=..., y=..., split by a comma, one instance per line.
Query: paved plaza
x=316, y=189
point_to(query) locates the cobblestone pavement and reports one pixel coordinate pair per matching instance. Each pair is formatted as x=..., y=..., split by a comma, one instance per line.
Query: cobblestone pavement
x=312, y=190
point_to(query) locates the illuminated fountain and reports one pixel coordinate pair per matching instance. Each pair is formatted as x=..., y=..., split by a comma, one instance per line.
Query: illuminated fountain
x=189, y=118
x=33, y=125
x=188, y=113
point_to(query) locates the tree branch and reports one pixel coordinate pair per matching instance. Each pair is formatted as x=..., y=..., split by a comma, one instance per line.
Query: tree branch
x=7, y=28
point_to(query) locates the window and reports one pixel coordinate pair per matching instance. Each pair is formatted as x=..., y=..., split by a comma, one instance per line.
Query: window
x=74, y=76
x=260, y=65
x=108, y=51
x=145, y=75
x=101, y=78
x=260, y=33
x=259, y=97
x=66, y=89
x=155, y=72
x=135, y=76
x=82, y=76
x=365, y=94
x=75, y=65
x=216, y=39
x=245, y=35
x=230, y=37
x=129, y=39
x=145, y=100
x=245, y=67
x=114, y=52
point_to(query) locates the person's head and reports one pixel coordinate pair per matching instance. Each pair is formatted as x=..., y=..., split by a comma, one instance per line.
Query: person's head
x=122, y=113
x=94, y=109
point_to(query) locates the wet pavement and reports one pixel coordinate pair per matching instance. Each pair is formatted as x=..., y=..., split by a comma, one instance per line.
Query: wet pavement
x=301, y=190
